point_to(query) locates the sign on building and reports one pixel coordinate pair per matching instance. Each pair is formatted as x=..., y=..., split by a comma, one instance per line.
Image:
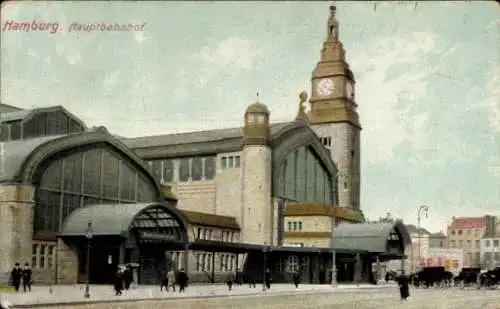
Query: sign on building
x=451, y=259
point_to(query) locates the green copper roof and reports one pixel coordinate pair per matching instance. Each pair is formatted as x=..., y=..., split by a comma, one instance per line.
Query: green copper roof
x=367, y=237
x=14, y=153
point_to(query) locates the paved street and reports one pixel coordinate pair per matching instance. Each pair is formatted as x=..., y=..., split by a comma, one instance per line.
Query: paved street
x=280, y=296
x=74, y=293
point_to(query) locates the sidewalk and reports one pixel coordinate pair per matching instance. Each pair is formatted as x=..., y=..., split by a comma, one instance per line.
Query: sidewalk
x=104, y=293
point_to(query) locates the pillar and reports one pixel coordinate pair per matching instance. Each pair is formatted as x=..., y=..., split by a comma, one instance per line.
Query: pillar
x=67, y=263
x=358, y=269
x=16, y=224
x=378, y=269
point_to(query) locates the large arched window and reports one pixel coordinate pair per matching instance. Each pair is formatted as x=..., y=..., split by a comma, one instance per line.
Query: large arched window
x=303, y=178
x=88, y=175
x=50, y=123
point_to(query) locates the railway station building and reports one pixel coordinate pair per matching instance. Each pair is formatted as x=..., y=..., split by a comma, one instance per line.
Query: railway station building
x=283, y=196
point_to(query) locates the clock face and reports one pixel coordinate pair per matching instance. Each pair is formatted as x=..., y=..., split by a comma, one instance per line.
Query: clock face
x=325, y=87
x=349, y=90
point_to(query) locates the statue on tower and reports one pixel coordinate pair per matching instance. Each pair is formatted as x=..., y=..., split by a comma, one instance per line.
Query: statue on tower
x=333, y=25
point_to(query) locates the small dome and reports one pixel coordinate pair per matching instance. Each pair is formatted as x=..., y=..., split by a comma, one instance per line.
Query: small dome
x=257, y=108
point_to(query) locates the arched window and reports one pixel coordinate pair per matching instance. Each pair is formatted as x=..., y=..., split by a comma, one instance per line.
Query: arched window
x=90, y=175
x=303, y=178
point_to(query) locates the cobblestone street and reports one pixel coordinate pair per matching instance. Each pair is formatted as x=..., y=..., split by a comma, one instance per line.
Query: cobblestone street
x=280, y=296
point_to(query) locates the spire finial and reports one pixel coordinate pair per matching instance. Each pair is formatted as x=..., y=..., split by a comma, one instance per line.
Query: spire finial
x=301, y=114
x=257, y=97
x=333, y=24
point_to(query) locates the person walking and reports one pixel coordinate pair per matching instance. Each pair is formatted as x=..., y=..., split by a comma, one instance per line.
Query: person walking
x=182, y=280
x=27, y=274
x=118, y=281
x=296, y=279
x=170, y=280
x=229, y=281
x=404, y=286
x=268, y=277
x=15, y=276
x=128, y=277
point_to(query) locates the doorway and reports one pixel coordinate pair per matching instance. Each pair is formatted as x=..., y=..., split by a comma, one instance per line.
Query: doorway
x=104, y=260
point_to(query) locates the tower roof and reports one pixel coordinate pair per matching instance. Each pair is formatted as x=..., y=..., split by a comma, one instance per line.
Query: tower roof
x=257, y=107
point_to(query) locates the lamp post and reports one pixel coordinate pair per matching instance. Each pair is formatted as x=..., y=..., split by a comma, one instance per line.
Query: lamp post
x=334, y=222
x=425, y=209
x=89, y=237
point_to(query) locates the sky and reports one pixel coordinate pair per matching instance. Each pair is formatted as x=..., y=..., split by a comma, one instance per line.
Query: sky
x=427, y=82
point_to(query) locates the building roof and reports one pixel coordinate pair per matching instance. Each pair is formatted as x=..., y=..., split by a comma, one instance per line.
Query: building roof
x=412, y=229
x=367, y=237
x=468, y=222
x=438, y=234
x=112, y=219
x=200, y=218
x=6, y=108
x=14, y=153
x=198, y=137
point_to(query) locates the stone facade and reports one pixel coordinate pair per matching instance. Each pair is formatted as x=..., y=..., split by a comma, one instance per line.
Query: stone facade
x=16, y=224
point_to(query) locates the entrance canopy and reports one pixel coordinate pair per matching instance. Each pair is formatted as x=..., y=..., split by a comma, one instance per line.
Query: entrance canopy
x=154, y=221
x=371, y=237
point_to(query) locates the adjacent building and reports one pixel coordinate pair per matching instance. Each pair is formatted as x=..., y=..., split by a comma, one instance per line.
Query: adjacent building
x=466, y=233
x=263, y=195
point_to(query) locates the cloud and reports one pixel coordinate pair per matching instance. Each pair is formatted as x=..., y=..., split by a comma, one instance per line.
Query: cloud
x=391, y=80
x=234, y=52
x=493, y=100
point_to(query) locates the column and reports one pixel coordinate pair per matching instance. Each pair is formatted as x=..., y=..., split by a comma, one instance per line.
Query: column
x=358, y=268
x=378, y=269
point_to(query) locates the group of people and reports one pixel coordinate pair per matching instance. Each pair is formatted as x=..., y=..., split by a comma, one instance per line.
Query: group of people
x=20, y=275
x=172, y=279
x=123, y=279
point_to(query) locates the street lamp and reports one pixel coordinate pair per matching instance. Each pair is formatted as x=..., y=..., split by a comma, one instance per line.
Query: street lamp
x=89, y=237
x=425, y=209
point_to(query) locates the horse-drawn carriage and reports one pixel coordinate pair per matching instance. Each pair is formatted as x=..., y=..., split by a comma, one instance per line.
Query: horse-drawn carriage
x=489, y=279
x=479, y=278
x=431, y=276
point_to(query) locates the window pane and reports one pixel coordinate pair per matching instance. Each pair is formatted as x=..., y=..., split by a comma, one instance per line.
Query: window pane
x=209, y=168
x=70, y=203
x=51, y=178
x=230, y=162
x=184, y=169
x=62, y=123
x=110, y=175
x=237, y=161
x=290, y=178
x=320, y=184
x=223, y=162
x=52, y=125
x=92, y=172
x=196, y=168
x=146, y=192
x=15, y=131
x=72, y=169
x=168, y=170
x=4, y=132
x=47, y=211
x=328, y=190
x=156, y=168
x=74, y=126
x=310, y=176
x=300, y=194
x=127, y=183
x=40, y=124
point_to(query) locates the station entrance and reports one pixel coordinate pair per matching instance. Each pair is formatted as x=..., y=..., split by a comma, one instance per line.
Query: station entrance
x=107, y=236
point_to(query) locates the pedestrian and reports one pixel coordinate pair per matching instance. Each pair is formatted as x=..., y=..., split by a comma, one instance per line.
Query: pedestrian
x=15, y=276
x=268, y=277
x=404, y=286
x=296, y=279
x=128, y=277
x=230, y=281
x=27, y=274
x=251, y=279
x=118, y=281
x=171, y=280
x=182, y=280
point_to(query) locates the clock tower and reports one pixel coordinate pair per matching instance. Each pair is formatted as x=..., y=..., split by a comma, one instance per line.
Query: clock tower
x=333, y=114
